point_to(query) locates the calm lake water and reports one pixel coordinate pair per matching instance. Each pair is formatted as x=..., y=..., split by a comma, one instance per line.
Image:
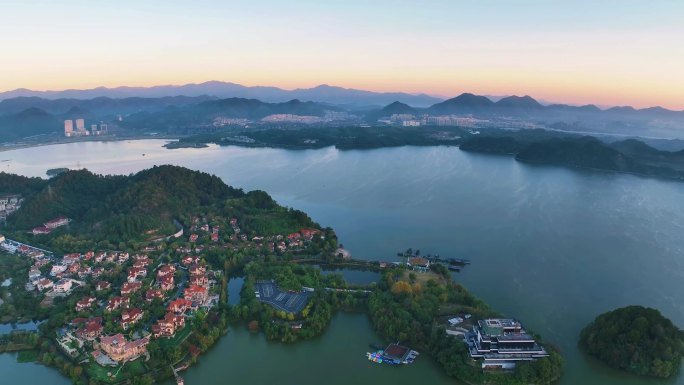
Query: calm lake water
x=551, y=246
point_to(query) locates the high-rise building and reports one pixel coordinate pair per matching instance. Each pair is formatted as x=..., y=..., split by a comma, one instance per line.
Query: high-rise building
x=103, y=127
x=68, y=128
x=80, y=125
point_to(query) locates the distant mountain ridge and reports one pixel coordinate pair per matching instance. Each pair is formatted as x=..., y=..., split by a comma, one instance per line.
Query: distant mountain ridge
x=323, y=93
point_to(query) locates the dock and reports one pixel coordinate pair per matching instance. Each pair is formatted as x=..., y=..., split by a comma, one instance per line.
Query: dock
x=179, y=379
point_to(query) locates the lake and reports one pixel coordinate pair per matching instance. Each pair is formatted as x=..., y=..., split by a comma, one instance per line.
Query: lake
x=551, y=246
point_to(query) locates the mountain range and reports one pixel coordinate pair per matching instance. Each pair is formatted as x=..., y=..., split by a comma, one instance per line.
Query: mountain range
x=322, y=93
x=25, y=116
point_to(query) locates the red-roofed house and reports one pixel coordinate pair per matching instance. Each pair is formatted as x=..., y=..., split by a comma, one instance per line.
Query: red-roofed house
x=97, y=272
x=190, y=260
x=71, y=258
x=179, y=306
x=153, y=294
x=167, y=326
x=166, y=283
x=193, y=237
x=309, y=233
x=136, y=272
x=84, y=271
x=85, y=303
x=129, y=317
x=118, y=349
x=197, y=269
x=117, y=302
x=166, y=270
x=92, y=329
x=102, y=285
x=199, y=280
x=129, y=288
x=294, y=236
x=44, y=284
x=196, y=293
x=40, y=230
x=60, y=221
x=214, y=237
x=419, y=263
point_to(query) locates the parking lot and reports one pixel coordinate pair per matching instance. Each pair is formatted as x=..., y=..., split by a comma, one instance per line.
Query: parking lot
x=291, y=302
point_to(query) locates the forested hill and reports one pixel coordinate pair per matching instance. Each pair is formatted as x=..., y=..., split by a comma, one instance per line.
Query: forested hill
x=137, y=207
x=630, y=156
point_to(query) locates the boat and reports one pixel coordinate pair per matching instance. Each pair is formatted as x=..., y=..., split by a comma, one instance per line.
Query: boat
x=459, y=261
x=375, y=357
x=453, y=268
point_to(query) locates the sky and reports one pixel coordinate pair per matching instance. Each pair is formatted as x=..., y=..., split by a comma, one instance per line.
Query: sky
x=606, y=52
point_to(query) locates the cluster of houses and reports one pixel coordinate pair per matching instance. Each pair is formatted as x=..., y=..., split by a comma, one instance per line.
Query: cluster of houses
x=120, y=303
x=194, y=296
x=276, y=243
x=8, y=205
x=69, y=272
x=50, y=225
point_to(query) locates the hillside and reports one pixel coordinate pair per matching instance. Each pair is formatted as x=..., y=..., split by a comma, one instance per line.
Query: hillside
x=135, y=208
x=635, y=339
x=631, y=156
x=581, y=152
x=29, y=122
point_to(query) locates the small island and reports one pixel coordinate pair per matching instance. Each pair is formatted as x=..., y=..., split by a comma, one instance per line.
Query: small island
x=635, y=339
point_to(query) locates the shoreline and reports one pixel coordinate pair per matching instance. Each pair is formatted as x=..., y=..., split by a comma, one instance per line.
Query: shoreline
x=21, y=146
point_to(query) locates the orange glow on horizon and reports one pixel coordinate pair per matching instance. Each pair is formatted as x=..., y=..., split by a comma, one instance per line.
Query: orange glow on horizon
x=576, y=91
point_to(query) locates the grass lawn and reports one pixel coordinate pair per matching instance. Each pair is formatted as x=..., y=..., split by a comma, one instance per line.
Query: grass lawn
x=130, y=369
x=100, y=373
x=423, y=278
x=177, y=339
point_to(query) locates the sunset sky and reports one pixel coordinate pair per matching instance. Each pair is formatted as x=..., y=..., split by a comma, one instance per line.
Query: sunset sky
x=610, y=52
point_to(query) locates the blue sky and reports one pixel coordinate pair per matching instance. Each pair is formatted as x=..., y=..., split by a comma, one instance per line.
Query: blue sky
x=605, y=52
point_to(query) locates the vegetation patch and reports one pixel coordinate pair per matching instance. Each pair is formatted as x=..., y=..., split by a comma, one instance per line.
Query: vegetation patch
x=635, y=339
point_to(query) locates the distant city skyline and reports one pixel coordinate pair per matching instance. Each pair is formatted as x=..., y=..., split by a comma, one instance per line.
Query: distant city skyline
x=601, y=52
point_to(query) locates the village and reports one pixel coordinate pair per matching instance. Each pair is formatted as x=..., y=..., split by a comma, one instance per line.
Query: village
x=123, y=300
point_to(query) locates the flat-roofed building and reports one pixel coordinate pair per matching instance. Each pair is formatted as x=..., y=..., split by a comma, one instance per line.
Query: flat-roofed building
x=501, y=342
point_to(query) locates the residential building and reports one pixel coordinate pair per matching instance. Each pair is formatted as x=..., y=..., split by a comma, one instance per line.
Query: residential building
x=92, y=327
x=129, y=288
x=85, y=303
x=119, y=349
x=40, y=230
x=195, y=293
x=167, y=326
x=63, y=286
x=166, y=283
x=153, y=294
x=68, y=127
x=180, y=305
x=44, y=284
x=102, y=285
x=117, y=303
x=190, y=260
x=57, y=222
x=129, y=317
x=419, y=264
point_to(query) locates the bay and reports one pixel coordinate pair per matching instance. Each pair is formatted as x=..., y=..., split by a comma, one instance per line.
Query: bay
x=551, y=246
